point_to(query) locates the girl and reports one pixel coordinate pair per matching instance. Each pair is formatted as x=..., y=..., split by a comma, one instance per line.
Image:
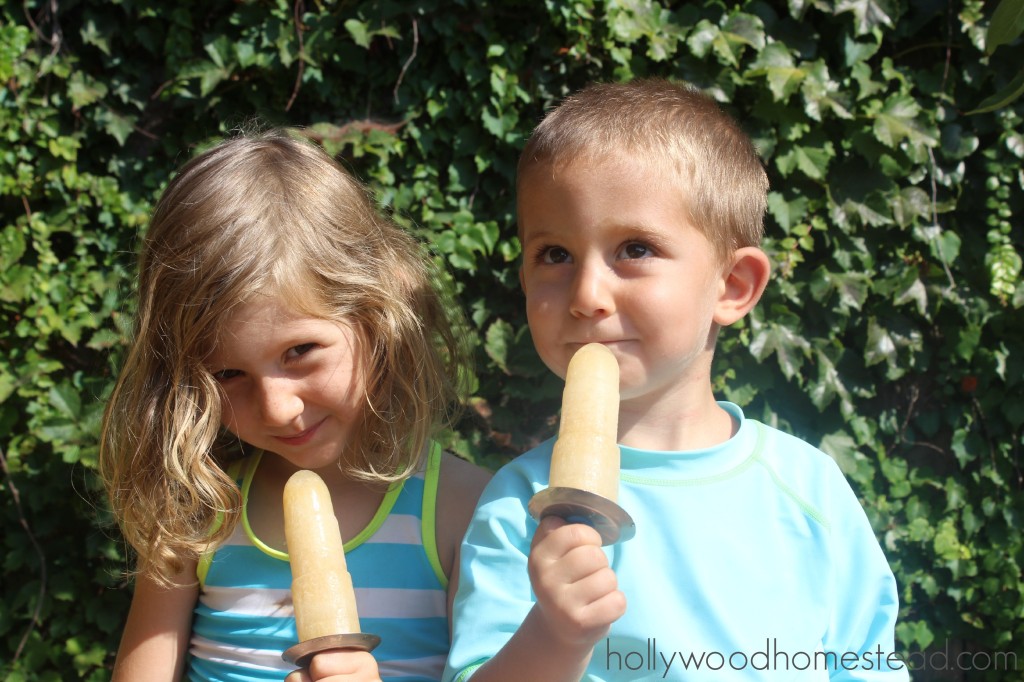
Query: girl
x=278, y=310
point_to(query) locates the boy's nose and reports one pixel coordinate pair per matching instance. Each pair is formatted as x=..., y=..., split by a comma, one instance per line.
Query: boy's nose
x=278, y=401
x=591, y=292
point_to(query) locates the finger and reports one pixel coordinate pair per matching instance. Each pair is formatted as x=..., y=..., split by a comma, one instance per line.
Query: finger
x=341, y=662
x=560, y=536
x=298, y=676
x=600, y=614
x=547, y=525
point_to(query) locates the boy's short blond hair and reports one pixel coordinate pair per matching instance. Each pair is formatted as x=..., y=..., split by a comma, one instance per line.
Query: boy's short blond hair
x=665, y=126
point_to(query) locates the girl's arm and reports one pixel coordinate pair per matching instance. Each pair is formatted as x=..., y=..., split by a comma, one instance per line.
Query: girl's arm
x=156, y=635
x=458, y=490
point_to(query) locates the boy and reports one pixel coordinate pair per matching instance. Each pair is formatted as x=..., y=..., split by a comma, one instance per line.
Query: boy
x=640, y=213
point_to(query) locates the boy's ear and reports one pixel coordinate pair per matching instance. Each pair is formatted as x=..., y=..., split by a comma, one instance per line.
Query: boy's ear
x=743, y=282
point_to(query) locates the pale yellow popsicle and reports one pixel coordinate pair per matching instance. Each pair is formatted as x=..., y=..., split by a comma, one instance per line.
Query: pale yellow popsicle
x=325, y=603
x=586, y=455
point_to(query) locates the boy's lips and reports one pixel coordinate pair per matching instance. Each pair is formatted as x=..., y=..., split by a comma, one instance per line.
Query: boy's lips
x=611, y=343
x=302, y=436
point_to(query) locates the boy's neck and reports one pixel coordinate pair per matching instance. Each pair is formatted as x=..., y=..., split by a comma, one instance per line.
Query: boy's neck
x=673, y=426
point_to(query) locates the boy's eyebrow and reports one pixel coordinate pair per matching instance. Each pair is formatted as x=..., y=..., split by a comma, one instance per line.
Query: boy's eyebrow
x=531, y=235
x=624, y=230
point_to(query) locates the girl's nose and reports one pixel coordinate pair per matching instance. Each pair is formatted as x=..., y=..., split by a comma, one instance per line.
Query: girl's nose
x=278, y=400
x=591, y=294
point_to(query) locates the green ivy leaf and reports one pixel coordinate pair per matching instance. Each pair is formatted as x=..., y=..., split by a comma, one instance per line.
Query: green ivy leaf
x=1008, y=94
x=786, y=213
x=1006, y=24
x=702, y=38
x=852, y=462
x=880, y=346
x=947, y=543
x=868, y=14
x=499, y=335
x=914, y=292
x=64, y=147
x=829, y=386
x=84, y=93
x=897, y=121
x=784, y=340
x=1004, y=267
x=14, y=40
x=911, y=204
x=776, y=64
x=822, y=93
x=851, y=288
x=64, y=398
x=120, y=126
x=865, y=78
x=811, y=161
x=745, y=29
x=729, y=41
x=631, y=20
x=947, y=247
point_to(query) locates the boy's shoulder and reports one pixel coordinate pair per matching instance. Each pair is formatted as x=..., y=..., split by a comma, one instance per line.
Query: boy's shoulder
x=806, y=474
x=525, y=474
x=785, y=452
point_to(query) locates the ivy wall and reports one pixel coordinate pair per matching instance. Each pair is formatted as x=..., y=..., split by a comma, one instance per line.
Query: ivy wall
x=892, y=334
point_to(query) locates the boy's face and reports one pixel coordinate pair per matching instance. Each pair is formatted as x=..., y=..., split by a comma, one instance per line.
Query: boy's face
x=608, y=256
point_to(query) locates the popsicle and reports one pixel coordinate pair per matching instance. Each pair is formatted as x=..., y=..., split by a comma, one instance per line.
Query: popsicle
x=325, y=603
x=586, y=455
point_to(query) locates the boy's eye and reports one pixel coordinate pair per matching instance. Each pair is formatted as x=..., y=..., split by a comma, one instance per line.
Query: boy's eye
x=227, y=374
x=635, y=250
x=554, y=254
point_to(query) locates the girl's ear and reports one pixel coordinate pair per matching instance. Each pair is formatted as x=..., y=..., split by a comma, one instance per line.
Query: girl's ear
x=743, y=282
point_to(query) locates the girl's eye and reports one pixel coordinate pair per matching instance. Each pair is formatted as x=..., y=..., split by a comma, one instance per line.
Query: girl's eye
x=227, y=374
x=300, y=350
x=554, y=255
x=634, y=250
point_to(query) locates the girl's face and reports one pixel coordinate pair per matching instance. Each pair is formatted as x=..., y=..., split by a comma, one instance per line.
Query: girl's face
x=292, y=383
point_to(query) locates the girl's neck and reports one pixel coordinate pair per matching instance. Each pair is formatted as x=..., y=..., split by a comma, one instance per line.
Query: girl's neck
x=355, y=502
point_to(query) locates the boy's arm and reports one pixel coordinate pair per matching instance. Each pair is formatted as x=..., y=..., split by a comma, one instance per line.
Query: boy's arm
x=866, y=604
x=496, y=622
x=577, y=601
x=156, y=634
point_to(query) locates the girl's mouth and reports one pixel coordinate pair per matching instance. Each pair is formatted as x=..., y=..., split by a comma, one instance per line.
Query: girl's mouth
x=302, y=437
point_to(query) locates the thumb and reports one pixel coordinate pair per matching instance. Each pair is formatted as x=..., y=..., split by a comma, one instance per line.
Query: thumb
x=547, y=526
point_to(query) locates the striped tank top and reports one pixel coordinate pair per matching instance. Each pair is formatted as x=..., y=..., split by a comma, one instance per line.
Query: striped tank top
x=244, y=618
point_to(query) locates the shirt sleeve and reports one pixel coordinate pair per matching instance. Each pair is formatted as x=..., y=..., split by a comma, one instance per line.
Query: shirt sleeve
x=494, y=594
x=865, y=601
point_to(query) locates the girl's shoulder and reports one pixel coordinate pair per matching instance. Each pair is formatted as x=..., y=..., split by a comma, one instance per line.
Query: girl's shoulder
x=460, y=482
x=458, y=489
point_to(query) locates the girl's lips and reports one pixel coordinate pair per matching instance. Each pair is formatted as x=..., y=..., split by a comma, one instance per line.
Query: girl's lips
x=302, y=437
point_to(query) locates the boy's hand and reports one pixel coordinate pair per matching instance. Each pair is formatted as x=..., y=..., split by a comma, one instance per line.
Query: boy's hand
x=577, y=591
x=339, y=665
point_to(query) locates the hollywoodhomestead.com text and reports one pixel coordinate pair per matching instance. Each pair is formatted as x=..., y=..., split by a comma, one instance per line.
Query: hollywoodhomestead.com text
x=655, y=659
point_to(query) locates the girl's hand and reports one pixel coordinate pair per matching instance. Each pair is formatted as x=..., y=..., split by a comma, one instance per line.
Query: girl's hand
x=339, y=665
x=577, y=592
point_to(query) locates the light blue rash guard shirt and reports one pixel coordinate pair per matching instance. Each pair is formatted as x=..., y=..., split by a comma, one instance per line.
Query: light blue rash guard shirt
x=752, y=560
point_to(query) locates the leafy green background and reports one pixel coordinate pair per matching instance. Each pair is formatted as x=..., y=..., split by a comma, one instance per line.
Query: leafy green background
x=892, y=334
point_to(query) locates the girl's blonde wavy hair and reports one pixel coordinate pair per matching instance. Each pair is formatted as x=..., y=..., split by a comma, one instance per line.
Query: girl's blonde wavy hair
x=266, y=214
x=677, y=133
